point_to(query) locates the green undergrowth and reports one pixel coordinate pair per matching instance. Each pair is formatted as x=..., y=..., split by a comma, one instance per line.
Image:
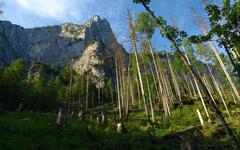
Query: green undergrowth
x=34, y=130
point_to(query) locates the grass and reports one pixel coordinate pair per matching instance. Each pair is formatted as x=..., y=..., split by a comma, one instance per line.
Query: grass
x=36, y=130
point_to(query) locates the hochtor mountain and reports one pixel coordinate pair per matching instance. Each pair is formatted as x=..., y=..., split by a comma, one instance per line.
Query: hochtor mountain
x=90, y=47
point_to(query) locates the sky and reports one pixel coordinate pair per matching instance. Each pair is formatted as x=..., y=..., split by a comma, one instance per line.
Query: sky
x=37, y=13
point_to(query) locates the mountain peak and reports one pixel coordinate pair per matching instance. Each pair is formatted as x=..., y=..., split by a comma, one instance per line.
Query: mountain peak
x=96, y=18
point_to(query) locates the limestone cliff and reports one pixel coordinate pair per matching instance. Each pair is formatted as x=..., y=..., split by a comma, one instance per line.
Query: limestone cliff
x=91, y=46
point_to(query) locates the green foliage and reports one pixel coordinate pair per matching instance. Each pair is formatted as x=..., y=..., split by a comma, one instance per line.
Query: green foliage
x=178, y=64
x=171, y=32
x=15, y=88
x=145, y=54
x=46, y=93
x=13, y=85
x=145, y=24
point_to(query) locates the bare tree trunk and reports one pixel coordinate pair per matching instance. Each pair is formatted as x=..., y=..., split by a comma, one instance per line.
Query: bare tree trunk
x=124, y=99
x=154, y=80
x=133, y=40
x=234, y=100
x=70, y=90
x=204, y=82
x=165, y=95
x=118, y=91
x=155, y=66
x=149, y=91
x=175, y=83
x=92, y=99
x=209, y=84
x=121, y=91
x=131, y=91
x=87, y=94
x=151, y=103
x=138, y=95
x=188, y=87
x=219, y=91
x=191, y=83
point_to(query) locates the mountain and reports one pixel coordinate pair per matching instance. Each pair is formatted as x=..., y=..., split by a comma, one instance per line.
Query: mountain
x=91, y=47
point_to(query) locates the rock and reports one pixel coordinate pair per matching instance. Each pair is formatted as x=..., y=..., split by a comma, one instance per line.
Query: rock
x=121, y=128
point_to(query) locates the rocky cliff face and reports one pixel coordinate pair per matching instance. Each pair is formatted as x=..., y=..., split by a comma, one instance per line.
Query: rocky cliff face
x=91, y=46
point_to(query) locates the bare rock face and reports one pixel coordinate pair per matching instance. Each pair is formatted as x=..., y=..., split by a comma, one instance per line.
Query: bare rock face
x=97, y=61
x=60, y=44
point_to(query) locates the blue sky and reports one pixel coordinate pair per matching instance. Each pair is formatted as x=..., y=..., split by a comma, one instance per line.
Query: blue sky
x=35, y=13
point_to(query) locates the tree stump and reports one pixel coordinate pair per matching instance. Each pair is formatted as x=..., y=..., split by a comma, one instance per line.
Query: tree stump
x=98, y=119
x=62, y=117
x=81, y=115
x=120, y=128
x=20, y=107
x=104, y=118
x=190, y=145
x=74, y=114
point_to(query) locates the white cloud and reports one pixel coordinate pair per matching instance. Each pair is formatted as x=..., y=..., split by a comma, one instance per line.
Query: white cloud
x=53, y=9
x=33, y=13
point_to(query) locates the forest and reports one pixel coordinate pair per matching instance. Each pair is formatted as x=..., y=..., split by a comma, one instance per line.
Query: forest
x=186, y=97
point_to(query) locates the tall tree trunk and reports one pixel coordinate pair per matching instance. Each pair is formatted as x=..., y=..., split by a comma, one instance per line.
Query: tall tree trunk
x=146, y=72
x=154, y=80
x=188, y=86
x=219, y=91
x=150, y=99
x=165, y=95
x=131, y=91
x=87, y=94
x=138, y=95
x=133, y=40
x=118, y=90
x=175, y=83
x=70, y=90
x=155, y=66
